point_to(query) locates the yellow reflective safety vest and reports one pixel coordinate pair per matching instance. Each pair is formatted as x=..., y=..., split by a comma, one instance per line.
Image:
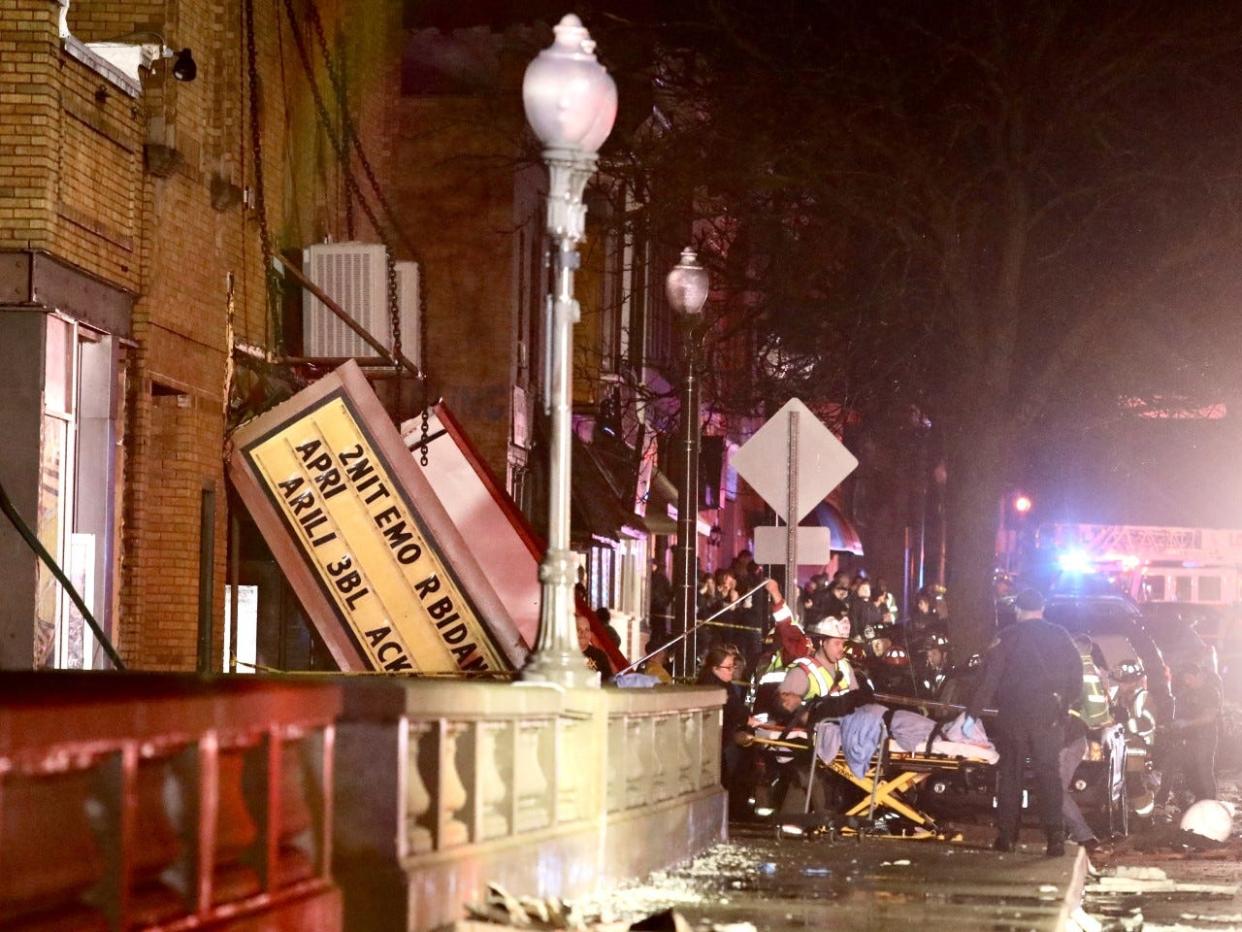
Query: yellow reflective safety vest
x=1092, y=705
x=821, y=680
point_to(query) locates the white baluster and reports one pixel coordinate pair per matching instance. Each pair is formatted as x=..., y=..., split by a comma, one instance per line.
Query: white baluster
x=664, y=755
x=709, y=741
x=453, y=794
x=530, y=782
x=618, y=763
x=687, y=753
x=418, y=839
x=494, y=769
x=572, y=772
x=640, y=766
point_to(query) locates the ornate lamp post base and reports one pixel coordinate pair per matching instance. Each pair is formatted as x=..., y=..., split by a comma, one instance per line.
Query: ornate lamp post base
x=556, y=658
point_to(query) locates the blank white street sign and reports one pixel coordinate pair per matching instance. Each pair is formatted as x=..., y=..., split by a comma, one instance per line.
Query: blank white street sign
x=823, y=461
x=814, y=545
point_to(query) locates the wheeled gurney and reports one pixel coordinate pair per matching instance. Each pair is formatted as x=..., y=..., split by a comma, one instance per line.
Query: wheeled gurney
x=891, y=778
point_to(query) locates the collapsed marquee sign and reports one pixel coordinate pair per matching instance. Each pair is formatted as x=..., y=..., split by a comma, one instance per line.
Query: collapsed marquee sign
x=376, y=561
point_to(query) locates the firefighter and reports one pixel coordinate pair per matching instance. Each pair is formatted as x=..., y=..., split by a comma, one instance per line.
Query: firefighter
x=826, y=679
x=933, y=667
x=1132, y=702
x=784, y=644
x=822, y=685
x=1089, y=713
x=1131, y=706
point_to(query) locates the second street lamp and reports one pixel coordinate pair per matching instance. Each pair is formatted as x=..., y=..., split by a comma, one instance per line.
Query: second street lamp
x=571, y=103
x=686, y=289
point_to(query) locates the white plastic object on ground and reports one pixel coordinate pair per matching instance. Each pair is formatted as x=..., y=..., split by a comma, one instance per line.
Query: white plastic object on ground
x=1210, y=818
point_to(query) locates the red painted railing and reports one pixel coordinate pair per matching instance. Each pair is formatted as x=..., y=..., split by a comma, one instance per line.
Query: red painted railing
x=166, y=802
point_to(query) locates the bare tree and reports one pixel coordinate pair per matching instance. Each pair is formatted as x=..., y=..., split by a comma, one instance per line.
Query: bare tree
x=969, y=207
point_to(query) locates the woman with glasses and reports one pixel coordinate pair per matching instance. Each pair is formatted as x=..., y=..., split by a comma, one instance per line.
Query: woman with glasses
x=723, y=666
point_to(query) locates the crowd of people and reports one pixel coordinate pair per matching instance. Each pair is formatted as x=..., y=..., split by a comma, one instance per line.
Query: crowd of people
x=846, y=642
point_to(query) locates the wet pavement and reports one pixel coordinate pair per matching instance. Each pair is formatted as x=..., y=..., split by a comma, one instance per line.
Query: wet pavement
x=876, y=883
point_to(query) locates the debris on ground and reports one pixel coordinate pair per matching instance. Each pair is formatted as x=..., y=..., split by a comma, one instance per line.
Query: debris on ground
x=499, y=908
x=1172, y=843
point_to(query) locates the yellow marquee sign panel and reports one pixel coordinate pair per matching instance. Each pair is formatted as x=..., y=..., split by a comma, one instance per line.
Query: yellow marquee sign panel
x=354, y=524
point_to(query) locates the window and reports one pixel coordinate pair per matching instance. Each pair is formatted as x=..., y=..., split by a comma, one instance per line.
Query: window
x=1182, y=588
x=76, y=504
x=1209, y=589
x=1154, y=586
x=247, y=652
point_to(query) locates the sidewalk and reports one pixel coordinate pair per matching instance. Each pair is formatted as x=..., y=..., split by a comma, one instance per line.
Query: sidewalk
x=875, y=884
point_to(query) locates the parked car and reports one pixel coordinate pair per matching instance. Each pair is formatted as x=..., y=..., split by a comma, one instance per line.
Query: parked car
x=1175, y=626
x=1113, y=761
x=1094, y=615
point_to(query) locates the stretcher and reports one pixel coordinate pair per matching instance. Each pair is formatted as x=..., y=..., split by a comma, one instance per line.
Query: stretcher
x=890, y=782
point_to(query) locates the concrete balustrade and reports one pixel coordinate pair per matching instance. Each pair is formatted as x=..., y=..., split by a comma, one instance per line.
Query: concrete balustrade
x=159, y=801
x=443, y=787
x=138, y=801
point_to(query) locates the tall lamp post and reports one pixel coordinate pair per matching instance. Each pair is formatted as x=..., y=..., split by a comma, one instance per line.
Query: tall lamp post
x=571, y=103
x=686, y=288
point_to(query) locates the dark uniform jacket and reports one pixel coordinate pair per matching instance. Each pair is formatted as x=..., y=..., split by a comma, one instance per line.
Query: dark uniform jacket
x=1031, y=676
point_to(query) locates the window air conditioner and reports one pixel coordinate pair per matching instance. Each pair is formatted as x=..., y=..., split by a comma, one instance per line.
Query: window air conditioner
x=355, y=276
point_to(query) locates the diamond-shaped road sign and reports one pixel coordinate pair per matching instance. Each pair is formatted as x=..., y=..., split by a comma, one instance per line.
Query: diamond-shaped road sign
x=823, y=461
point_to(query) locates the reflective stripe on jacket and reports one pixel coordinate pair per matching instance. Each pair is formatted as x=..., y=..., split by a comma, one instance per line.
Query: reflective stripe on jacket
x=1092, y=705
x=822, y=682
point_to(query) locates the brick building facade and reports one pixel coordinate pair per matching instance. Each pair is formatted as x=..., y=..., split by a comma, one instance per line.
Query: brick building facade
x=132, y=275
x=127, y=222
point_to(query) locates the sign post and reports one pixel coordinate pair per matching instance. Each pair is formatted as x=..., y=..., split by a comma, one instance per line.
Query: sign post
x=791, y=508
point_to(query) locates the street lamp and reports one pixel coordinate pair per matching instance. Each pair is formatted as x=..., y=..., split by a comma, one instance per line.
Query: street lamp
x=686, y=288
x=571, y=103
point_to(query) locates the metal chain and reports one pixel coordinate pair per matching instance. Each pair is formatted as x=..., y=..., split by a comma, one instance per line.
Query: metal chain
x=325, y=120
x=351, y=139
x=422, y=441
x=350, y=130
x=270, y=280
x=394, y=308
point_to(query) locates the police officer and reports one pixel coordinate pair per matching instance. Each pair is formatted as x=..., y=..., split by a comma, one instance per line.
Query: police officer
x=1032, y=675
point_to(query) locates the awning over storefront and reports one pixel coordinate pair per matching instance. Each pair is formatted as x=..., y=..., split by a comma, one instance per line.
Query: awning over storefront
x=662, y=496
x=597, y=507
x=844, y=535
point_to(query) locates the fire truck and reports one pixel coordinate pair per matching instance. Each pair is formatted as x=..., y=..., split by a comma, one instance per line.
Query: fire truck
x=1152, y=564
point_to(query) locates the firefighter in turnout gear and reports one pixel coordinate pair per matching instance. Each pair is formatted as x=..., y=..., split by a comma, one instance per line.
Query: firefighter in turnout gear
x=823, y=685
x=1089, y=713
x=1131, y=707
x=783, y=645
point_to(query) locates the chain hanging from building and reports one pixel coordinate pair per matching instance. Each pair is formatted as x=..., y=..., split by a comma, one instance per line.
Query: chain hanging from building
x=271, y=280
x=346, y=144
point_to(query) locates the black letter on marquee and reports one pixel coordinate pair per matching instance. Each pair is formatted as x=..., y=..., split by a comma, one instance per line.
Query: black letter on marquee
x=307, y=449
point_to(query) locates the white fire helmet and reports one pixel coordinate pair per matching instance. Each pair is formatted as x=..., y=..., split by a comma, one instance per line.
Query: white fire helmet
x=1210, y=818
x=830, y=627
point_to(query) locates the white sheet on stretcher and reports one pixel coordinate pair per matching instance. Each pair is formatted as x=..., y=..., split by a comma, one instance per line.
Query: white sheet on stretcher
x=912, y=730
x=983, y=754
x=960, y=749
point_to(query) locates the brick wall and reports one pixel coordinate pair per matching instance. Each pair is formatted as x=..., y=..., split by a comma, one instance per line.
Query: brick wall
x=70, y=151
x=460, y=202
x=135, y=192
